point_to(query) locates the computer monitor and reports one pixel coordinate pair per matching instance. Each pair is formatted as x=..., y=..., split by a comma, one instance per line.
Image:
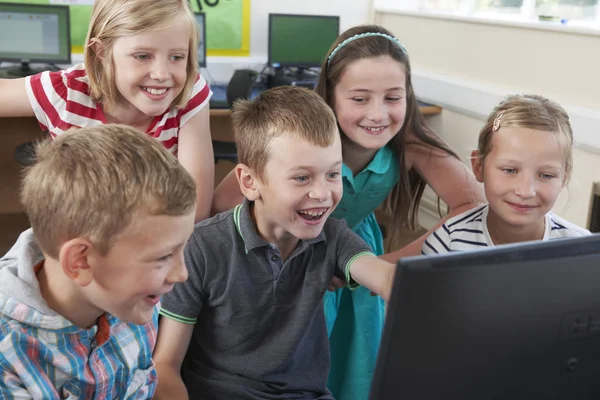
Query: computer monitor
x=519, y=322
x=201, y=20
x=34, y=33
x=300, y=40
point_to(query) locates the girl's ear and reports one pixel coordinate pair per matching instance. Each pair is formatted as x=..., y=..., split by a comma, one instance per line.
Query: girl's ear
x=97, y=47
x=477, y=165
x=249, y=184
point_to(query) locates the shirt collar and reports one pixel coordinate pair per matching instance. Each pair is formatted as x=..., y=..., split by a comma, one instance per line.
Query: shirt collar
x=247, y=230
x=380, y=164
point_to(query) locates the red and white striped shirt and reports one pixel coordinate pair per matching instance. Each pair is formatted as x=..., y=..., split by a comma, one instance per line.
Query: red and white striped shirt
x=61, y=100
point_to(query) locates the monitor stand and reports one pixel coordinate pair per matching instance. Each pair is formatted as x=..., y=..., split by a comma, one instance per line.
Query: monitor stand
x=22, y=71
x=299, y=77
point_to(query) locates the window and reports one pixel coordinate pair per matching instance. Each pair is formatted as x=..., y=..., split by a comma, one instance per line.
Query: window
x=572, y=10
x=578, y=13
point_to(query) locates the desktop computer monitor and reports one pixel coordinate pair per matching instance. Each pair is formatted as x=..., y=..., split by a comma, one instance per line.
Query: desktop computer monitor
x=201, y=20
x=300, y=40
x=34, y=33
x=519, y=322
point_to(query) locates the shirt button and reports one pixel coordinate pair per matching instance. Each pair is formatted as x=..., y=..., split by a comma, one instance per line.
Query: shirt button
x=274, y=258
x=351, y=192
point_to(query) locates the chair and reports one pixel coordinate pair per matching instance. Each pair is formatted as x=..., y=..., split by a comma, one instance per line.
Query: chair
x=25, y=154
x=224, y=151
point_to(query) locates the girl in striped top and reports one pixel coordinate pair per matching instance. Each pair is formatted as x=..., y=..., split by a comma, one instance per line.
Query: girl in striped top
x=141, y=69
x=524, y=160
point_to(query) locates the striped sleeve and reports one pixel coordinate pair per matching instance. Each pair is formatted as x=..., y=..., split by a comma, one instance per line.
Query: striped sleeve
x=199, y=99
x=60, y=99
x=438, y=242
x=11, y=386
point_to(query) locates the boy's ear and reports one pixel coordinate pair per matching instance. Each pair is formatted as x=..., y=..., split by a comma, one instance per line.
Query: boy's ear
x=477, y=165
x=248, y=182
x=74, y=261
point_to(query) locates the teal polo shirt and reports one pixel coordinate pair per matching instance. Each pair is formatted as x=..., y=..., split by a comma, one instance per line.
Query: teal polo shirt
x=260, y=328
x=367, y=190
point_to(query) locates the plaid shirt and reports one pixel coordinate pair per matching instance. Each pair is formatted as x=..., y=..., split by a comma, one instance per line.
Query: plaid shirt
x=109, y=361
x=44, y=356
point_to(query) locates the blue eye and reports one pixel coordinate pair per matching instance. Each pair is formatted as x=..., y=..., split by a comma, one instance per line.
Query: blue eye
x=301, y=179
x=510, y=171
x=178, y=58
x=333, y=175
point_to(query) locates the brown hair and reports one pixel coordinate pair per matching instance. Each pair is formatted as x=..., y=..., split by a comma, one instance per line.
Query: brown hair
x=533, y=112
x=91, y=182
x=278, y=111
x=403, y=201
x=112, y=19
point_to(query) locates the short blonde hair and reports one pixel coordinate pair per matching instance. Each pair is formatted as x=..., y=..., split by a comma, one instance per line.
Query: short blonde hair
x=282, y=110
x=91, y=182
x=533, y=112
x=112, y=19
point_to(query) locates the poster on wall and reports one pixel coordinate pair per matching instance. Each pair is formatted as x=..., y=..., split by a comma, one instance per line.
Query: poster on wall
x=227, y=24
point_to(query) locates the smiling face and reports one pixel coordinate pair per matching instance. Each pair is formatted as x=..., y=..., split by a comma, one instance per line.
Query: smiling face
x=302, y=187
x=523, y=175
x=370, y=101
x=150, y=69
x=144, y=263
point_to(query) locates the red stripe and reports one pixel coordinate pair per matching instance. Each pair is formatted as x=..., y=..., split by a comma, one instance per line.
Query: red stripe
x=167, y=144
x=45, y=104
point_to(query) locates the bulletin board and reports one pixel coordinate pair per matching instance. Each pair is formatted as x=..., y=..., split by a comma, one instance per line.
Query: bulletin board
x=227, y=24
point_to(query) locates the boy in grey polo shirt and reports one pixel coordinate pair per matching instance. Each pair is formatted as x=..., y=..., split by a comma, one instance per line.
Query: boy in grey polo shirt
x=251, y=310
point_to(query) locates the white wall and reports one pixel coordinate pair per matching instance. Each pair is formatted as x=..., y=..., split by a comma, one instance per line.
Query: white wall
x=351, y=13
x=467, y=66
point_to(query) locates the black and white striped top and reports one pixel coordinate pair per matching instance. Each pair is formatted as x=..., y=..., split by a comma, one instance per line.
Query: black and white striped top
x=468, y=231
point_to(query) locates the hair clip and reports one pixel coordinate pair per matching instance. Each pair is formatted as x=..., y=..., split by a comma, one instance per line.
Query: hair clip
x=496, y=125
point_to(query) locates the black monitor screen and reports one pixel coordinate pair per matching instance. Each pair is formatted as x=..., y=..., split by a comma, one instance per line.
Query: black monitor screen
x=300, y=40
x=519, y=322
x=34, y=33
x=201, y=20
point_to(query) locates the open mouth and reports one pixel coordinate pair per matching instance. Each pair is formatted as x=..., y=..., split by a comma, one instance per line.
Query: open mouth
x=374, y=129
x=155, y=92
x=312, y=214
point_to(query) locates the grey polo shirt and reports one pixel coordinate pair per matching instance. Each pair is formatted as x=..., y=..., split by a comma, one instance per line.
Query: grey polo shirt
x=259, y=322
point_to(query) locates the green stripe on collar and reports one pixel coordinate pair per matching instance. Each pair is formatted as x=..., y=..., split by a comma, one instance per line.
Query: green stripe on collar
x=237, y=211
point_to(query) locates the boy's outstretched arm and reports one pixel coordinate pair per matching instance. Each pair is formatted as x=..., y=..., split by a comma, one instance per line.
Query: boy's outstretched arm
x=13, y=99
x=173, y=341
x=375, y=274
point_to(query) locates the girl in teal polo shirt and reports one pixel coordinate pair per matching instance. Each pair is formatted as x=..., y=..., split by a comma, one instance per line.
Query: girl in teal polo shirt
x=389, y=153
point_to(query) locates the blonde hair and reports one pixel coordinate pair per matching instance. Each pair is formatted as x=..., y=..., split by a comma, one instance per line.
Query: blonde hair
x=91, y=182
x=403, y=202
x=282, y=110
x=112, y=19
x=533, y=112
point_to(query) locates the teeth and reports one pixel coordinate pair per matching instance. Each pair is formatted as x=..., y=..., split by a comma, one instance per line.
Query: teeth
x=373, y=129
x=312, y=213
x=155, y=91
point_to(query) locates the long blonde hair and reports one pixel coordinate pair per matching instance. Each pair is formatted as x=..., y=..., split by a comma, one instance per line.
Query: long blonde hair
x=112, y=19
